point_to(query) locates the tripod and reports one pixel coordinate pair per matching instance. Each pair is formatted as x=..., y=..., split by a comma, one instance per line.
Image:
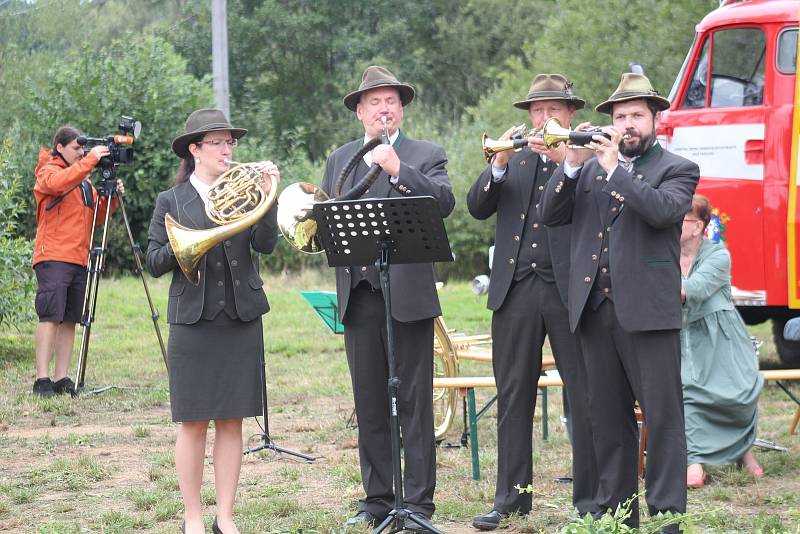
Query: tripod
x=96, y=264
x=268, y=443
x=405, y=230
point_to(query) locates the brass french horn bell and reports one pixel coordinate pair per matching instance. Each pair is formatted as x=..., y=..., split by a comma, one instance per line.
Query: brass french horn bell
x=235, y=202
x=296, y=218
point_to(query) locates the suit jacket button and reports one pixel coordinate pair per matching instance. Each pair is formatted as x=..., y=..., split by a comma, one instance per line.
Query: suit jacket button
x=533, y=265
x=587, y=279
x=599, y=235
x=234, y=263
x=598, y=177
x=220, y=283
x=613, y=193
x=613, y=210
x=535, y=226
x=544, y=169
x=606, y=290
x=621, y=198
x=534, y=245
x=237, y=283
x=487, y=186
x=347, y=270
x=511, y=261
x=522, y=162
x=522, y=216
x=222, y=303
x=594, y=257
x=516, y=238
x=541, y=188
x=219, y=264
x=363, y=269
x=227, y=242
x=639, y=176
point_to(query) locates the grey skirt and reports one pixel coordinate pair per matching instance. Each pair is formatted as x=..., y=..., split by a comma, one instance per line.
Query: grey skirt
x=215, y=369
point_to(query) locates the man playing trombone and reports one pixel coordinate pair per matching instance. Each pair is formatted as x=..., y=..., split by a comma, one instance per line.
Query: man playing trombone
x=527, y=293
x=407, y=167
x=626, y=207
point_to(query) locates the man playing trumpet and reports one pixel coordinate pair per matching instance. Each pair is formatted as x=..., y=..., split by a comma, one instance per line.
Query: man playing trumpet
x=626, y=205
x=527, y=293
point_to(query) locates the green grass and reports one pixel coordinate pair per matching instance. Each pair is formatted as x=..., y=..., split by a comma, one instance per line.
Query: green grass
x=105, y=463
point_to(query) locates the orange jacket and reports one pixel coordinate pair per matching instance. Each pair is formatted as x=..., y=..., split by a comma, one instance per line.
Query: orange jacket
x=62, y=232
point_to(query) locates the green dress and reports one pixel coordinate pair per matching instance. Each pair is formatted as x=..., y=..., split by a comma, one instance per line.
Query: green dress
x=719, y=366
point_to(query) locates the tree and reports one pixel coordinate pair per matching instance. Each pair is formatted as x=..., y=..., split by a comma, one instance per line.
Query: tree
x=90, y=89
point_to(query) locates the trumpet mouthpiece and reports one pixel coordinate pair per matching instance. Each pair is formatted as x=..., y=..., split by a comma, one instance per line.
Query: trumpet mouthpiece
x=230, y=162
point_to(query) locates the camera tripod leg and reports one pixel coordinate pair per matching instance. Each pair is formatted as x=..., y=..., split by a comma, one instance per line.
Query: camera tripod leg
x=95, y=267
x=137, y=252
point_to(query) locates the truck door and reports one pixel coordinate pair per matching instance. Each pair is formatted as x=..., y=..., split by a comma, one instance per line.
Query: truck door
x=718, y=120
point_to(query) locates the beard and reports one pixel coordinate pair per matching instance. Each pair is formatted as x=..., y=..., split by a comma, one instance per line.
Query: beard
x=638, y=146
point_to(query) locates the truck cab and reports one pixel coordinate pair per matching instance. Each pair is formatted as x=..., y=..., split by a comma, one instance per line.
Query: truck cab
x=733, y=111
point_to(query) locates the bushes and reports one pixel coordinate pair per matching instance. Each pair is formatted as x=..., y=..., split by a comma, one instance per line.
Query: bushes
x=16, y=276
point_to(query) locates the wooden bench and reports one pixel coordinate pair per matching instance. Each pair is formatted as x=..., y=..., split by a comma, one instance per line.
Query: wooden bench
x=467, y=385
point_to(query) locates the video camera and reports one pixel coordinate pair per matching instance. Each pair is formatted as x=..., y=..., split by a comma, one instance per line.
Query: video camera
x=118, y=146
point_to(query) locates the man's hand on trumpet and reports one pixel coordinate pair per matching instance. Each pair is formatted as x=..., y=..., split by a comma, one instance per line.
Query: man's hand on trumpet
x=557, y=153
x=607, y=150
x=576, y=158
x=501, y=159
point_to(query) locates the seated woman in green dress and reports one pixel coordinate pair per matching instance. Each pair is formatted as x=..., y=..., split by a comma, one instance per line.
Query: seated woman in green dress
x=719, y=366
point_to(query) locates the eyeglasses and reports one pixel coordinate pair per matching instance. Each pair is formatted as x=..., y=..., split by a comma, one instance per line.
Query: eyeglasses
x=216, y=143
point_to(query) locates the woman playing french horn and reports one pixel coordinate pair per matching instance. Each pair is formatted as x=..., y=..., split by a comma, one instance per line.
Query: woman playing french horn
x=215, y=343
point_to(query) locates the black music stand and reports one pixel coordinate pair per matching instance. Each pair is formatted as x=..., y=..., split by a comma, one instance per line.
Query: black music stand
x=386, y=231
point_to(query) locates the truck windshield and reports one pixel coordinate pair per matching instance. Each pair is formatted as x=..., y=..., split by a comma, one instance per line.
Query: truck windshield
x=737, y=70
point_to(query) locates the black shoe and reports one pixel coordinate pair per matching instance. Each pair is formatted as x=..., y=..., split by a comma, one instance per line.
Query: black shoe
x=488, y=521
x=215, y=527
x=362, y=518
x=43, y=387
x=65, y=385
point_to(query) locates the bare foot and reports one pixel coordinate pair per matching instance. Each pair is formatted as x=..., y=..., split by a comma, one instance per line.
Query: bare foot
x=695, y=476
x=749, y=462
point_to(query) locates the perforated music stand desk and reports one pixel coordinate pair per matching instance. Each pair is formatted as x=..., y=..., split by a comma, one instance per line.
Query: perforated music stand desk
x=383, y=231
x=351, y=231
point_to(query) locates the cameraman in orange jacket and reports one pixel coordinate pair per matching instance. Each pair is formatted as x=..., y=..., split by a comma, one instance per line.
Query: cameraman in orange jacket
x=65, y=204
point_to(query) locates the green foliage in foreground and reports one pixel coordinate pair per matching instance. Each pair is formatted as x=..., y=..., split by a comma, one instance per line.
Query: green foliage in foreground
x=17, y=283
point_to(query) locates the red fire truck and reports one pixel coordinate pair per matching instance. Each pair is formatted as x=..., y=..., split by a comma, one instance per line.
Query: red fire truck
x=734, y=112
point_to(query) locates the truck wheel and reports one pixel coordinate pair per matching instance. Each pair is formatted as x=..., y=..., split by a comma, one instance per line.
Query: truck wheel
x=789, y=351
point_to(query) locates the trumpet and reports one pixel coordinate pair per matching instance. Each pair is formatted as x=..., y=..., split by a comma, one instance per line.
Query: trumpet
x=519, y=139
x=553, y=134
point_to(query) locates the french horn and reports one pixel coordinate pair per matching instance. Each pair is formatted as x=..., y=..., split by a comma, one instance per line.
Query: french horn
x=236, y=202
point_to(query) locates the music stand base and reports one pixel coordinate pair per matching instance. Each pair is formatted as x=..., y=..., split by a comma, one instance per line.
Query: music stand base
x=401, y=517
x=268, y=444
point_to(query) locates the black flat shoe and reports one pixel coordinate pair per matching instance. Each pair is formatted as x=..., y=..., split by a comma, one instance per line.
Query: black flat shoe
x=43, y=387
x=488, y=521
x=65, y=385
x=215, y=527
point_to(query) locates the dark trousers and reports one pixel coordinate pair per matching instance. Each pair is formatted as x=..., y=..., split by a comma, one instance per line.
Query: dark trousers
x=366, y=345
x=627, y=366
x=531, y=310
